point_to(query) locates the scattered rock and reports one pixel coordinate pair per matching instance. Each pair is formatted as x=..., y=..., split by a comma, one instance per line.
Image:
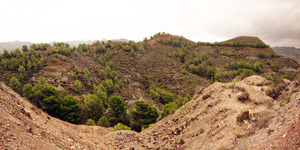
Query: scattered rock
x=181, y=142
x=243, y=96
x=286, y=81
x=256, y=80
x=244, y=115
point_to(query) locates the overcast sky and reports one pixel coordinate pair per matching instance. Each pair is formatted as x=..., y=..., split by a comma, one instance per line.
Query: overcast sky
x=276, y=22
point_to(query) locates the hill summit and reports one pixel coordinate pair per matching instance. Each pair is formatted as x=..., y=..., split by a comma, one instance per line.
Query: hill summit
x=246, y=39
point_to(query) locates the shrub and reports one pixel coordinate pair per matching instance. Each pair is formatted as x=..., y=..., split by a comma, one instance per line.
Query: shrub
x=184, y=71
x=70, y=109
x=90, y=122
x=25, y=48
x=218, y=77
x=161, y=95
x=275, y=90
x=78, y=86
x=274, y=54
x=142, y=115
x=116, y=109
x=168, y=108
x=121, y=126
x=93, y=106
x=64, y=58
x=51, y=105
x=28, y=91
x=261, y=55
x=14, y=84
x=103, y=121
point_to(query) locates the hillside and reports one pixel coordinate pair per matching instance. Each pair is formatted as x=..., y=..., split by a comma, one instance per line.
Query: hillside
x=291, y=52
x=213, y=122
x=209, y=121
x=164, y=71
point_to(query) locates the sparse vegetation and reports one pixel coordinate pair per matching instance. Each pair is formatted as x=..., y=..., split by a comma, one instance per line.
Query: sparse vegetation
x=275, y=90
x=121, y=126
x=161, y=95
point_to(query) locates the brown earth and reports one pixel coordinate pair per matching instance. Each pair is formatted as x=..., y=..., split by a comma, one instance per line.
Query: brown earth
x=208, y=121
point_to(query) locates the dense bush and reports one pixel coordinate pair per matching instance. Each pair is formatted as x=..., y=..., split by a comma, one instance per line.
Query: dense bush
x=90, y=122
x=235, y=44
x=14, y=84
x=31, y=61
x=261, y=55
x=172, y=106
x=257, y=66
x=70, y=109
x=116, y=110
x=92, y=107
x=78, y=86
x=274, y=54
x=161, y=95
x=25, y=48
x=203, y=70
x=103, y=121
x=99, y=49
x=142, y=115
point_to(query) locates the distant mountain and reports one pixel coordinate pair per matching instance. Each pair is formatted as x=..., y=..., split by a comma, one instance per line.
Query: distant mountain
x=18, y=44
x=291, y=52
x=12, y=45
x=76, y=43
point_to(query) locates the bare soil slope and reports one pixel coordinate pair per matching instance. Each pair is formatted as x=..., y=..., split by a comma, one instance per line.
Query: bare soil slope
x=24, y=126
